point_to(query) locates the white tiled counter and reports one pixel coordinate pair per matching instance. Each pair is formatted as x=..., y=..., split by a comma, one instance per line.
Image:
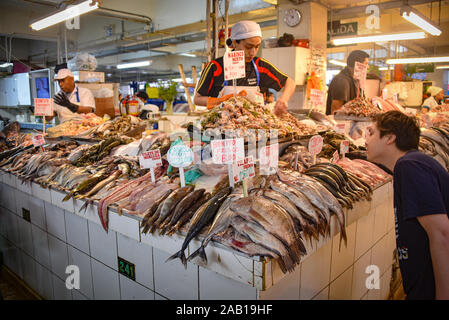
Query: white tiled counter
x=59, y=235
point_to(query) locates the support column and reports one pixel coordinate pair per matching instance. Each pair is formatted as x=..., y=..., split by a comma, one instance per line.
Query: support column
x=312, y=26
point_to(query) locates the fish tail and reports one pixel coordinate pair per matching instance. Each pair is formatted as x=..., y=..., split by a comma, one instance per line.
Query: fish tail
x=180, y=254
x=67, y=197
x=201, y=252
x=288, y=263
x=281, y=265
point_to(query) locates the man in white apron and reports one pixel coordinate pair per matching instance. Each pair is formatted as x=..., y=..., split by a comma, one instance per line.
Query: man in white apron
x=72, y=100
x=246, y=36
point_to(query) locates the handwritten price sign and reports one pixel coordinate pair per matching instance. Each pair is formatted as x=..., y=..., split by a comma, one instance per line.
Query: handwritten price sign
x=43, y=107
x=268, y=158
x=227, y=151
x=360, y=70
x=38, y=140
x=317, y=97
x=234, y=65
x=315, y=144
x=344, y=147
x=150, y=159
x=243, y=169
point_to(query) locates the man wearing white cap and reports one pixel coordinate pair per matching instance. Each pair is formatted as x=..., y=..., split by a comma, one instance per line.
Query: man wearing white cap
x=436, y=95
x=71, y=100
x=247, y=36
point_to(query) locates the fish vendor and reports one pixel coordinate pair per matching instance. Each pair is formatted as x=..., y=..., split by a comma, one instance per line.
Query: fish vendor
x=71, y=100
x=436, y=96
x=247, y=36
x=343, y=87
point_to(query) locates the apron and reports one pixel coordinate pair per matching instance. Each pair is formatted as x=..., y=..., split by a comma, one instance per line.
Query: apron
x=253, y=92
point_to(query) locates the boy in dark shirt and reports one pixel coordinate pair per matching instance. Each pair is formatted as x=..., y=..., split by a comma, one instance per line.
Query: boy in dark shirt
x=421, y=203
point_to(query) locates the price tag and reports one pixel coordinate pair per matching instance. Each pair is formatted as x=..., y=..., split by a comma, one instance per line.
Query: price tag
x=150, y=159
x=268, y=159
x=227, y=151
x=234, y=65
x=340, y=128
x=335, y=157
x=344, y=147
x=384, y=93
x=43, y=107
x=317, y=97
x=315, y=144
x=180, y=156
x=243, y=169
x=411, y=111
x=38, y=140
x=395, y=98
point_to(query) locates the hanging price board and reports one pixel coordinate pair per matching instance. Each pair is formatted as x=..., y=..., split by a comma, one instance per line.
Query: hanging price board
x=234, y=65
x=316, y=97
x=243, y=169
x=268, y=159
x=227, y=151
x=43, y=107
x=360, y=70
x=344, y=147
x=38, y=140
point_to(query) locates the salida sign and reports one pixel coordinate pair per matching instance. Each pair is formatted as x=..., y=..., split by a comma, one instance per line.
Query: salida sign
x=337, y=29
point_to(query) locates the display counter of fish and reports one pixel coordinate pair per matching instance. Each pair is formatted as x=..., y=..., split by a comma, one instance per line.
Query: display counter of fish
x=435, y=142
x=120, y=126
x=332, y=142
x=240, y=113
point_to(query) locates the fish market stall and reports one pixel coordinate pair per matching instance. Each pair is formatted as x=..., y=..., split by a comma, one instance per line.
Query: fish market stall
x=306, y=231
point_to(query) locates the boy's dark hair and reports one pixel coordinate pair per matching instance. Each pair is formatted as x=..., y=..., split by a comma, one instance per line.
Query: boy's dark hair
x=356, y=55
x=405, y=128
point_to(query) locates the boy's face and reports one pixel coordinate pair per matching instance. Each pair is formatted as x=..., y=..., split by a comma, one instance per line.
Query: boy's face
x=376, y=147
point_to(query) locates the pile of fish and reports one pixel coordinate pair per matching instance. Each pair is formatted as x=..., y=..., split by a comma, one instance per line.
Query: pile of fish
x=435, y=142
x=440, y=108
x=156, y=140
x=118, y=127
x=239, y=113
x=10, y=137
x=387, y=105
x=344, y=186
x=332, y=142
x=88, y=155
x=360, y=107
x=364, y=170
x=296, y=157
x=76, y=127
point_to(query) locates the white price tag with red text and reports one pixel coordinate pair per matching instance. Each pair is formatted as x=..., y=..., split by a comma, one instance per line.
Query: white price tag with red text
x=38, y=140
x=243, y=169
x=268, y=159
x=315, y=144
x=316, y=97
x=234, y=65
x=227, y=151
x=150, y=159
x=43, y=107
x=340, y=128
x=335, y=157
x=344, y=147
x=360, y=70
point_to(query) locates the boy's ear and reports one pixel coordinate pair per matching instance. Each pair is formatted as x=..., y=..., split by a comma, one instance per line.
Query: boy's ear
x=391, y=138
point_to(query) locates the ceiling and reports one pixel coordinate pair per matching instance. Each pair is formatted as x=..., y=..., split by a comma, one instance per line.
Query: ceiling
x=170, y=34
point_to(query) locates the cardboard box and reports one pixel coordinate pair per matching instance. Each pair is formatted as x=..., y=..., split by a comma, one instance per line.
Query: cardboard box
x=104, y=106
x=88, y=76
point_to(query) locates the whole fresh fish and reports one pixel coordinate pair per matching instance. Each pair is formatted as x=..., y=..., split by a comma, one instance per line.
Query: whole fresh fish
x=170, y=204
x=151, y=211
x=180, y=208
x=221, y=222
x=100, y=185
x=200, y=220
x=190, y=212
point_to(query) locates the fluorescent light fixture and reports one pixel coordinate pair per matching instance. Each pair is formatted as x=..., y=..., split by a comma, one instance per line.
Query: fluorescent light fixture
x=66, y=14
x=6, y=65
x=188, y=55
x=383, y=68
x=418, y=60
x=338, y=63
x=419, y=20
x=443, y=67
x=379, y=38
x=134, y=64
